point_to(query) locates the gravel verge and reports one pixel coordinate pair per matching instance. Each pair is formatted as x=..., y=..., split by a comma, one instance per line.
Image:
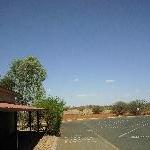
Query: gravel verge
x=47, y=143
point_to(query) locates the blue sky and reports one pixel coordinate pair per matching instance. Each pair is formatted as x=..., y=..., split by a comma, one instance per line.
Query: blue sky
x=94, y=51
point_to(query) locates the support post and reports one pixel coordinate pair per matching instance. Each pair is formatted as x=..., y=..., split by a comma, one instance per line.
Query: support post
x=16, y=132
x=38, y=124
x=30, y=120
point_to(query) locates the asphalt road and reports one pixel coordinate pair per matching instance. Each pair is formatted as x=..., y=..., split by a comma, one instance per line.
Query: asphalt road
x=108, y=134
x=78, y=136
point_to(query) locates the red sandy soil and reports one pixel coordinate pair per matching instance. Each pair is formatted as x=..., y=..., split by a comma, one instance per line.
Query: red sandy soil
x=68, y=117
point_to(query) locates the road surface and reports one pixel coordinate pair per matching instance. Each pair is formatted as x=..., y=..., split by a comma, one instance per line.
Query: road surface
x=78, y=136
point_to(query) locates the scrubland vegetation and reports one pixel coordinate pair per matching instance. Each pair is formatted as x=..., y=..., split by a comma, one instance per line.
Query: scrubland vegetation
x=135, y=107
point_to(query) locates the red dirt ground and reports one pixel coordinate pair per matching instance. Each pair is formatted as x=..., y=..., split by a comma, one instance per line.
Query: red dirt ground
x=67, y=117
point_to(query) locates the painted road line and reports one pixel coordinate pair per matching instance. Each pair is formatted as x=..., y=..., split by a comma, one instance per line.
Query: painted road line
x=127, y=132
x=132, y=130
x=140, y=136
x=103, y=139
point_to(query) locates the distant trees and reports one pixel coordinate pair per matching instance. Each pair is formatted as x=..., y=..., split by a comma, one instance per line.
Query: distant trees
x=119, y=108
x=135, y=107
x=97, y=109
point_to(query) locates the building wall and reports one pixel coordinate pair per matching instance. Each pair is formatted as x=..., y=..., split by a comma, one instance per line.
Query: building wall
x=7, y=118
x=6, y=96
x=7, y=123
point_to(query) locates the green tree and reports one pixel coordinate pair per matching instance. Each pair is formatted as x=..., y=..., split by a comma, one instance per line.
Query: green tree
x=54, y=108
x=119, y=108
x=136, y=107
x=25, y=77
x=7, y=83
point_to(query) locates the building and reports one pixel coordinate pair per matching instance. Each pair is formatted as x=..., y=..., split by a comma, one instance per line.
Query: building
x=8, y=119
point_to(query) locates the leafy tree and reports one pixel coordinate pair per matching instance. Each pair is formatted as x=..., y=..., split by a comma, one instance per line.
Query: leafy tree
x=136, y=107
x=7, y=83
x=54, y=108
x=25, y=77
x=119, y=108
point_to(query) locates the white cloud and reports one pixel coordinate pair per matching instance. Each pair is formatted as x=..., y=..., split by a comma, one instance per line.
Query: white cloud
x=76, y=80
x=109, y=81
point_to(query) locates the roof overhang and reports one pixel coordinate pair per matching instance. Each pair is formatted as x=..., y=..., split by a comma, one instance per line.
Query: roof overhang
x=16, y=107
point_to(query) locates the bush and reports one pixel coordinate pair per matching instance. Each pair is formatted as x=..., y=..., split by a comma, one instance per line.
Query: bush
x=119, y=108
x=54, y=108
x=136, y=107
x=81, y=108
x=97, y=109
x=146, y=110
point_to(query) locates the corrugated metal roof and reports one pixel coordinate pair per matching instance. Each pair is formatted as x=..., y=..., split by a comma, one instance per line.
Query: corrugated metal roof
x=16, y=107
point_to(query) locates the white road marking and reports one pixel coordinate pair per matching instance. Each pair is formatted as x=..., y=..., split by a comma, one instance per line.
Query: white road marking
x=79, y=140
x=133, y=130
x=140, y=136
x=134, y=137
x=127, y=132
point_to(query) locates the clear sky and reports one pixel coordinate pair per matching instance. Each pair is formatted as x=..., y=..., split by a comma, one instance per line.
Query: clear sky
x=94, y=51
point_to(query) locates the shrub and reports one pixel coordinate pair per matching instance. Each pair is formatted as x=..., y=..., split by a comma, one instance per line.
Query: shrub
x=81, y=108
x=54, y=108
x=136, y=107
x=146, y=110
x=119, y=108
x=97, y=109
